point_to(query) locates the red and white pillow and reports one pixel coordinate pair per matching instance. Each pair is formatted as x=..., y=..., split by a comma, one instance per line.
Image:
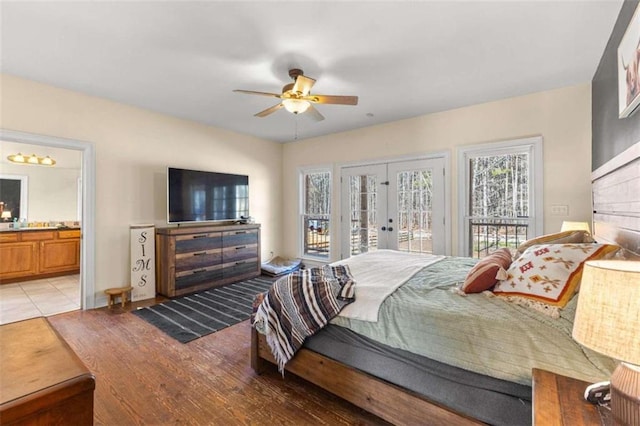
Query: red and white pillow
x=486, y=273
x=546, y=276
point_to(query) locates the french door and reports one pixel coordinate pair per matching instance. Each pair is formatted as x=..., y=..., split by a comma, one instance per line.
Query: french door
x=396, y=205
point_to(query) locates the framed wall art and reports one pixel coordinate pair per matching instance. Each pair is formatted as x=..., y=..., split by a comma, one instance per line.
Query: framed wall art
x=628, y=67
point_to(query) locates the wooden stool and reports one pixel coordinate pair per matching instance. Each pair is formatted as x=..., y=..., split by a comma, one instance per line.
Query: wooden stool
x=117, y=292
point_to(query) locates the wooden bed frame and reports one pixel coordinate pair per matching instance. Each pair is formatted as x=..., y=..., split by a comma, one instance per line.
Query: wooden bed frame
x=616, y=220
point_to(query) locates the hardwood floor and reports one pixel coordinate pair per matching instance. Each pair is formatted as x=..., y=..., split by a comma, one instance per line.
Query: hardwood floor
x=145, y=377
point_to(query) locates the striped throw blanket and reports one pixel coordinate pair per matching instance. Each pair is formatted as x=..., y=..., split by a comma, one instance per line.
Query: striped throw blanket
x=299, y=305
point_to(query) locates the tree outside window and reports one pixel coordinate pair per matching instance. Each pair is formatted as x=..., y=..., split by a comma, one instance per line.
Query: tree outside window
x=316, y=213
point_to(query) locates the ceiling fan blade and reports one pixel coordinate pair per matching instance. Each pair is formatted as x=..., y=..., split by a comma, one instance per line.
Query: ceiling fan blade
x=269, y=110
x=251, y=92
x=303, y=85
x=332, y=99
x=314, y=114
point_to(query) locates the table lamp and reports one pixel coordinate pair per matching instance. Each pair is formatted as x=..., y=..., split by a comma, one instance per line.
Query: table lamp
x=6, y=215
x=575, y=226
x=608, y=321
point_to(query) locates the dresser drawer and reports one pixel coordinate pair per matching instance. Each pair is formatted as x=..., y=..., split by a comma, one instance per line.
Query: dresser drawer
x=198, y=259
x=196, y=277
x=241, y=267
x=234, y=254
x=240, y=238
x=198, y=242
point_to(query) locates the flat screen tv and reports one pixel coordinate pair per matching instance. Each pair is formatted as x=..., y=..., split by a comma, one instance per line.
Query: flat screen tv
x=198, y=196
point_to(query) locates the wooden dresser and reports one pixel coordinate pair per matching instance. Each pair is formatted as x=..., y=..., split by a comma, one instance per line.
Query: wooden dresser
x=42, y=381
x=196, y=258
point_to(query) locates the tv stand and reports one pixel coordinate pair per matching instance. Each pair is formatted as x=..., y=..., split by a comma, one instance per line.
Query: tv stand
x=196, y=258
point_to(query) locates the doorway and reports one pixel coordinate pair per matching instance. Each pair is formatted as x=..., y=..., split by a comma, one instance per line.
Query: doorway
x=396, y=205
x=87, y=218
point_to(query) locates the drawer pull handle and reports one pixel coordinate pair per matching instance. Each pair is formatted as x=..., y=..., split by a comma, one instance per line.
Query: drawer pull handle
x=200, y=253
x=200, y=236
x=241, y=247
x=240, y=232
x=241, y=263
x=197, y=271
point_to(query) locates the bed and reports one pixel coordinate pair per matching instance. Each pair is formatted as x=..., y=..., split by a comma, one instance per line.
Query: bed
x=348, y=359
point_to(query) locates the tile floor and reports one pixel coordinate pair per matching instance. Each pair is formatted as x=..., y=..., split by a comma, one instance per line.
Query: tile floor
x=44, y=297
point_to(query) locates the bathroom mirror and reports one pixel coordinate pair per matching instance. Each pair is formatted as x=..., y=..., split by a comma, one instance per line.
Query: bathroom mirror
x=13, y=197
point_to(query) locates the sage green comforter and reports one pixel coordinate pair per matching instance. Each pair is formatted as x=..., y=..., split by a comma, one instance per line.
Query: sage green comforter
x=475, y=332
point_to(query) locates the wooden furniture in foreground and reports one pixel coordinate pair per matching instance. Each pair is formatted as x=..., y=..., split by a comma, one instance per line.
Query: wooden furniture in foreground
x=390, y=402
x=120, y=292
x=559, y=401
x=195, y=258
x=30, y=254
x=42, y=381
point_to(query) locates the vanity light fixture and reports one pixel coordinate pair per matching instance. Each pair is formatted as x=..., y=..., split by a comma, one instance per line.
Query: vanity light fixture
x=31, y=159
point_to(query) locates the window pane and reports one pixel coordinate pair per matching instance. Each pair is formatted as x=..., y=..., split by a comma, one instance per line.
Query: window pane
x=363, y=200
x=415, y=194
x=500, y=186
x=499, y=202
x=316, y=214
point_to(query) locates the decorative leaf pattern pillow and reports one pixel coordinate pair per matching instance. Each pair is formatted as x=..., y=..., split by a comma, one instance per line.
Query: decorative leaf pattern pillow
x=549, y=273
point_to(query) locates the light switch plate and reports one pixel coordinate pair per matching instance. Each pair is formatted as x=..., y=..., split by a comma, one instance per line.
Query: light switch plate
x=560, y=210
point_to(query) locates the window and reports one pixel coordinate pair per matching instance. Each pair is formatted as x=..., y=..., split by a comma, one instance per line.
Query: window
x=502, y=190
x=316, y=213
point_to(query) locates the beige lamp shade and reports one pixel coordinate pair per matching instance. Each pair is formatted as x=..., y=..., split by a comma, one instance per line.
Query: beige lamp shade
x=575, y=226
x=608, y=314
x=6, y=214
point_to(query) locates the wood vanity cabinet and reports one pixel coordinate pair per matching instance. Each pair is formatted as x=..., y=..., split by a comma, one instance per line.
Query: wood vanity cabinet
x=61, y=254
x=195, y=258
x=33, y=253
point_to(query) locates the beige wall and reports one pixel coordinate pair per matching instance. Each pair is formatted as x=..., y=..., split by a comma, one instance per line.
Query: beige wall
x=52, y=193
x=133, y=148
x=562, y=117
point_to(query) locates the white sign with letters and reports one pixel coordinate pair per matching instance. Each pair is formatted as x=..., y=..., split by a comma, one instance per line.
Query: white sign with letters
x=143, y=265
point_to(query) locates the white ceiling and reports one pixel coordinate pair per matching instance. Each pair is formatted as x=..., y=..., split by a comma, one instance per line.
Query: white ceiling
x=402, y=58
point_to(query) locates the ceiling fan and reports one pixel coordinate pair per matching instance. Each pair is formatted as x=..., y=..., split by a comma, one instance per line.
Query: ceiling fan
x=297, y=99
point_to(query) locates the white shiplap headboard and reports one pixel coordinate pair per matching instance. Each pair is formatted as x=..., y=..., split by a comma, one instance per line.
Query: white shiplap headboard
x=616, y=200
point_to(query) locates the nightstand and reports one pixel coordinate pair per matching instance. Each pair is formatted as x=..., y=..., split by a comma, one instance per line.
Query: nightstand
x=559, y=400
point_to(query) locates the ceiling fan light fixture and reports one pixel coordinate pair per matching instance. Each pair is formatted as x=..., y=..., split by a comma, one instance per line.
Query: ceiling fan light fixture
x=296, y=106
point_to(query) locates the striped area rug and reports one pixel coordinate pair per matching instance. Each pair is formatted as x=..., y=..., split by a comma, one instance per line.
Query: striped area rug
x=190, y=317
